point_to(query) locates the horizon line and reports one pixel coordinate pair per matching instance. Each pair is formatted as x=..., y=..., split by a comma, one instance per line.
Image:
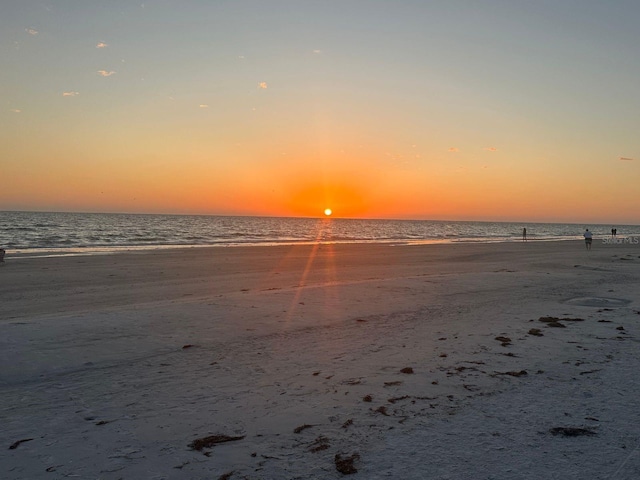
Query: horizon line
x=333, y=217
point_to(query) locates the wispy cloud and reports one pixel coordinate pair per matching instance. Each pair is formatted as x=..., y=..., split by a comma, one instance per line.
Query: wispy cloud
x=627, y=159
x=317, y=52
x=454, y=149
x=490, y=149
x=31, y=31
x=262, y=85
x=102, y=45
x=70, y=94
x=105, y=73
x=204, y=105
x=16, y=110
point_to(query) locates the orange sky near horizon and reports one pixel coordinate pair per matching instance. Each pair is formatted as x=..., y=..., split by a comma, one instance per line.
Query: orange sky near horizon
x=304, y=185
x=444, y=113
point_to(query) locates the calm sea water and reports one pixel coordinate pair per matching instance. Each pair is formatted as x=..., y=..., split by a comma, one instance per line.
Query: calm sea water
x=38, y=232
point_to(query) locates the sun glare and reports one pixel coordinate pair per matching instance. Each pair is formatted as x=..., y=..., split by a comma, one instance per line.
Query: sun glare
x=327, y=212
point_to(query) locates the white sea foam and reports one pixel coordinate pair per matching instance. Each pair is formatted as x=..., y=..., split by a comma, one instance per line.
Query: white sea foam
x=77, y=233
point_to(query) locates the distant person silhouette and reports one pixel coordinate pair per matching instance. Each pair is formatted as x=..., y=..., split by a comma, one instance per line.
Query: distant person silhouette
x=524, y=234
x=2, y=252
x=588, y=239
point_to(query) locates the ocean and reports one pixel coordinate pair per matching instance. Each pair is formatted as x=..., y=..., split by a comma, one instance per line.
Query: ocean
x=43, y=233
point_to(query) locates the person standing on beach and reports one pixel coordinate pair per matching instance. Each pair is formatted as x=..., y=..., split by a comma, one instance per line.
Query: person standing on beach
x=588, y=239
x=524, y=234
x=2, y=252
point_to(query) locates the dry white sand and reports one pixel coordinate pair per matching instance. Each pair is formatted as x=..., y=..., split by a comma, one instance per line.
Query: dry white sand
x=111, y=366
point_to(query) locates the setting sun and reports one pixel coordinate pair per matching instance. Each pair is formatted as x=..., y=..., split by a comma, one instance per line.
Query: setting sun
x=327, y=212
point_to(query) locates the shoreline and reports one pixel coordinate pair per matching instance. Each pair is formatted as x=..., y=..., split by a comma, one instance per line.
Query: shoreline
x=409, y=357
x=105, y=250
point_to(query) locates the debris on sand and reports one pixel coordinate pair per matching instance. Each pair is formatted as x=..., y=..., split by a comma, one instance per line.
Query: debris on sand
x=552, y=322
x=301, y=428
x=520, y=373
x=14, y=445
x=319, y=444
x=392, y=384
x=397, y=399
x=555, y=321
x=344, y=464
x=571, y=431
x=352, y=381
x=348, y=423
x=226, y=476
x=212, y=440
x=406, y=370
x=367, y=398
x=382, y=410
x=505, y=340
x=536, y=332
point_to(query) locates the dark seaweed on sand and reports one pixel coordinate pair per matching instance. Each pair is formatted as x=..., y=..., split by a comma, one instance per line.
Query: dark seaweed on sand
x=515, y=373
x=397, y=399
x=14, y=445
x=348, y=423
x=319, y=444
x=555, y=321
x=551, y=322
x=571, y=431
x=208, y=442
x=301, y=428
x=344, y=464
x=392, y=384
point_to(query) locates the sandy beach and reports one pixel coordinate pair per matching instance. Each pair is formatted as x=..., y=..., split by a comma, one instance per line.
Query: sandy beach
x=465, y=361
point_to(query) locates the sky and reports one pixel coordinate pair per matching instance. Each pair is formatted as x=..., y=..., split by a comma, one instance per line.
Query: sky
x=453, y=110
